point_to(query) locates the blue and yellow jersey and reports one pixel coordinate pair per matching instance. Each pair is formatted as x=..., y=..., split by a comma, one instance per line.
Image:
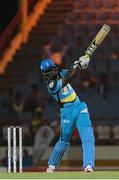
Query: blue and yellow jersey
x=66, y=95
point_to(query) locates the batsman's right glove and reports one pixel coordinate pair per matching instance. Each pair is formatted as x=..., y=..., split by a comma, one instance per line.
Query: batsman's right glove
x=82, y=62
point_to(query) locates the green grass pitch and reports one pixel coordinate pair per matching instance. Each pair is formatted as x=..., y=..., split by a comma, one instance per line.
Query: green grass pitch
x=62, y=175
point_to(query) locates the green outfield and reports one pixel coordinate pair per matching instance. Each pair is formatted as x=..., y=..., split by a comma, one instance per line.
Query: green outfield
x=62, y=175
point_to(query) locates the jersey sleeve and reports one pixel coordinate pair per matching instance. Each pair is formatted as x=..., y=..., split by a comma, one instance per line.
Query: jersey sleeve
x=67, y=75
x=64, y=73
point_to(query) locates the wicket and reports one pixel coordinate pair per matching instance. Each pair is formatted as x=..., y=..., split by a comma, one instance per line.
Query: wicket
x=12, y=148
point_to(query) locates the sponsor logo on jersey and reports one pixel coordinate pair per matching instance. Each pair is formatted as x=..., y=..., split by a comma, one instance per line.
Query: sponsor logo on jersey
x=66, y=121
x=64, y=90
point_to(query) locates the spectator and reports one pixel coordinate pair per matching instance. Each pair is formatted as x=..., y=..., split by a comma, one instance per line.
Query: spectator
x=14, y=106
x=54, y=51
x=7, y=100
x=59, y=39
x=17, y=109
x=42, y=140
x=5, y=110
x=104, y=85
x=37, y=119
x=34, y=100
x=46, y=49
x=58, y=53
x=17, y=103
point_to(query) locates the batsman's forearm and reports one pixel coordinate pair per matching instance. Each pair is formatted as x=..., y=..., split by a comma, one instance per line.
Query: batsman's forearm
x=70, y=74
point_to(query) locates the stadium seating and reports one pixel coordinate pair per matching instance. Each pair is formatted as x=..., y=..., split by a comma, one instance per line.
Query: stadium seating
x=82, y=5
x=114, y=16
x=103, y=132
x=96, y=5
x=115, y=130
x=109, y=4
x=86, y=16
x=102, y=17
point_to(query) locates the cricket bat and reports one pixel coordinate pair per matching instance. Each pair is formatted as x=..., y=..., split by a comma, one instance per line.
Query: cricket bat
x=103, y=32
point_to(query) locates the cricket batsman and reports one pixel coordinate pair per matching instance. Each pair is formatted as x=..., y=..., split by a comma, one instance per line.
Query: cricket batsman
x=74, y=113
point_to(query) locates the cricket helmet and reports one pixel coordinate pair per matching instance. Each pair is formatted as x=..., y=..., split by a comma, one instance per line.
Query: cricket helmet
x=49, y=69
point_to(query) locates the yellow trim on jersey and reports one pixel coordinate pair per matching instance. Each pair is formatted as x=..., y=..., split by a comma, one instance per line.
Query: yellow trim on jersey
x=70, y=98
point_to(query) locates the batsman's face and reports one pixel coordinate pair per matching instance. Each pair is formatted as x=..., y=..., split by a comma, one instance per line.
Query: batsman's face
x=51, y=74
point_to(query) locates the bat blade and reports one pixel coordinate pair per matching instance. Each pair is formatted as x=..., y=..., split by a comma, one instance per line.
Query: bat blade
x=98, y=39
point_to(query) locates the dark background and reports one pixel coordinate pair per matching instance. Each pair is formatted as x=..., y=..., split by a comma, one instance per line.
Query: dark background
x=8, y=9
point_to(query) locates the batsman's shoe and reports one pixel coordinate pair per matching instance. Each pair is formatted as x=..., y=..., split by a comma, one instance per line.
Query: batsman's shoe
x=88, y=168
x=50, y=169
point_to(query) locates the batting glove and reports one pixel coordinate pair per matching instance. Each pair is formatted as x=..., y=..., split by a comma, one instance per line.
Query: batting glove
x=82, y=62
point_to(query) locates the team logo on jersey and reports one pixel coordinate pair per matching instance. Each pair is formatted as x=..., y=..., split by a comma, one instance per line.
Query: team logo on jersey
x=84, y=110
x=51, y=84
